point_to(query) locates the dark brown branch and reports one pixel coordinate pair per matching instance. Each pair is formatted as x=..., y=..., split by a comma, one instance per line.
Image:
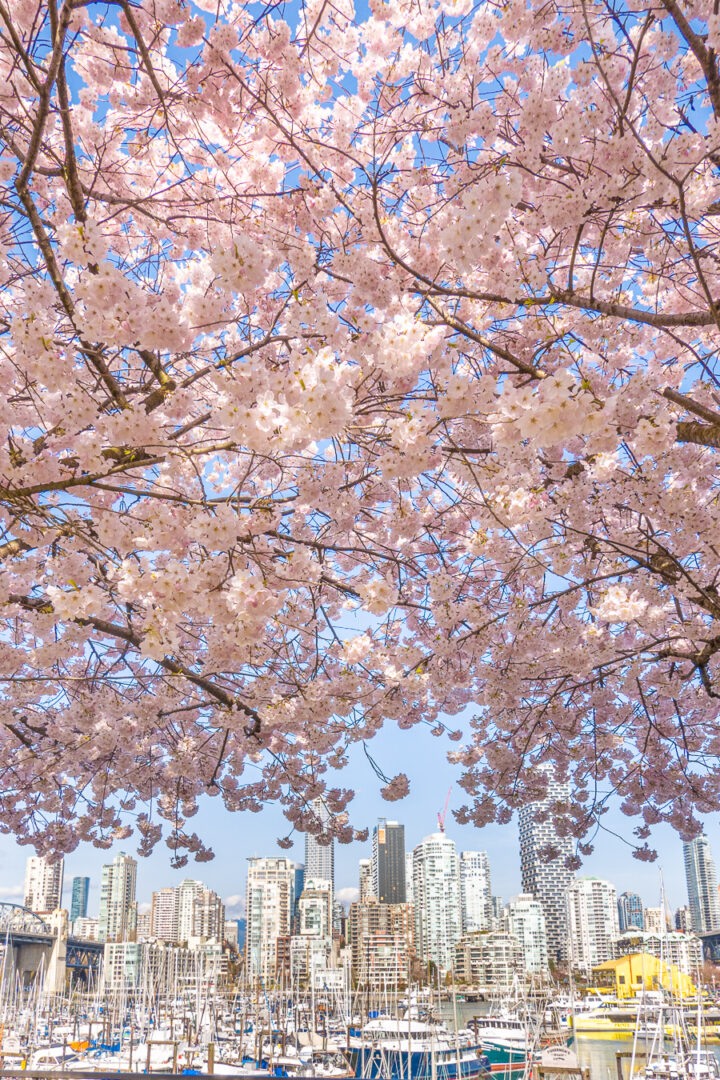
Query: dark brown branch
x=621, y=311
x=14, y=547
x=704, y=56
x=126, y=633
x=692, y=406
x=690, y=431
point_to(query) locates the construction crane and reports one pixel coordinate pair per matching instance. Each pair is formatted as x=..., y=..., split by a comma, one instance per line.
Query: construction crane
x=443, y=815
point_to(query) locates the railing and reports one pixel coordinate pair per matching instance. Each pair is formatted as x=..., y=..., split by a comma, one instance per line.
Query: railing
x=19, y=1065
x=20, y=1061
x=105, y=1074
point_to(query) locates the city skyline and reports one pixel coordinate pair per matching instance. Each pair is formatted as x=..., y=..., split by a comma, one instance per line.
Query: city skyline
x=293, y=927
x=237, y=837
x=154, y=874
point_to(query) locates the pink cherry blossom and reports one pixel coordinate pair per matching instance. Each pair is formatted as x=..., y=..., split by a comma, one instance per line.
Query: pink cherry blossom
x=357, y=371
x=398, y=788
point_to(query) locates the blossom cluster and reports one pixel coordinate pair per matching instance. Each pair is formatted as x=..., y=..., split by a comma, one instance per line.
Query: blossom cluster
x=359, y=370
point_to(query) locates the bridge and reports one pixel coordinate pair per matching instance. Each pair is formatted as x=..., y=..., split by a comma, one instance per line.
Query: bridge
x=711, y=945
x=40, y=945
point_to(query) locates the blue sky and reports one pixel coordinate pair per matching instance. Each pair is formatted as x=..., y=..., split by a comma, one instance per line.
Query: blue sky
x=236, y=837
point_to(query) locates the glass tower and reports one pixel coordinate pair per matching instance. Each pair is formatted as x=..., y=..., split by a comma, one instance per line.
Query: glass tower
x=79, y=900
x=630, y=912
x=388, y=862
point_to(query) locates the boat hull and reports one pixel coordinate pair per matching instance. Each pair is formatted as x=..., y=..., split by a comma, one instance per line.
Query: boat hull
x=598, y=1027
x=506, y=1060
x=382, y=1063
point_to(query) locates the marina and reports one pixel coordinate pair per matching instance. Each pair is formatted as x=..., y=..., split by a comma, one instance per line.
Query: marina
x=332, y=1034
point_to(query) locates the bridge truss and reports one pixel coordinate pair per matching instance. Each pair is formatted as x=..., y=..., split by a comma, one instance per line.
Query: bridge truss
x=16, y=919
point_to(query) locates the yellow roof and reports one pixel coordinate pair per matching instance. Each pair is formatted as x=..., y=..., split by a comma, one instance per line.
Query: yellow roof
x=609, y=965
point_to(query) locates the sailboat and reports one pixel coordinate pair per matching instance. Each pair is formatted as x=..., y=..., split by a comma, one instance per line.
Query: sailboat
x=673, y=1054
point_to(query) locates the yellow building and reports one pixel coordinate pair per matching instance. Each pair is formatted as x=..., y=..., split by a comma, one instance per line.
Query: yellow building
x=631, y=974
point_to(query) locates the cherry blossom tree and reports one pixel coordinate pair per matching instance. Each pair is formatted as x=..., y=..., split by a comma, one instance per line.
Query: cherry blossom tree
x=359, y=368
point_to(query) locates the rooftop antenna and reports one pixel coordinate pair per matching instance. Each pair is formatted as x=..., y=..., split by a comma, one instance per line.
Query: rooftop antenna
x=441, y=816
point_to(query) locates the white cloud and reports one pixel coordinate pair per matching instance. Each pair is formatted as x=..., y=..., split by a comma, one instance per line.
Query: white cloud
x=347, y=895
x=11, y=892
x=144, y=906
x=235, y=903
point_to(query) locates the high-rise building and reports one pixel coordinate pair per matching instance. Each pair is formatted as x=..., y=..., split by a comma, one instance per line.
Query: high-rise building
x=79, y=898
x=132, y=922
x=498, y=909
x=409, y=862
x=339, y=920
x=592, y=919
x=270, y=900
x=187, y=892
x=43, y=884
x=320, y=858
x=701, y=885
x=683, y=921
x=475, y=892
x=388, y=862
x=492, y=959
x=208, y=916
x=381, y=942
x=365, y=881
x=630, y=912
x=86, y=929
x=307, y=956
x=117, y=897
x=315, y=909
x=436, y=891
x=142, y=926
x=298, y=886
x=524, y=920
x=656, y=920
x=547, y=880
x=164, y=915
